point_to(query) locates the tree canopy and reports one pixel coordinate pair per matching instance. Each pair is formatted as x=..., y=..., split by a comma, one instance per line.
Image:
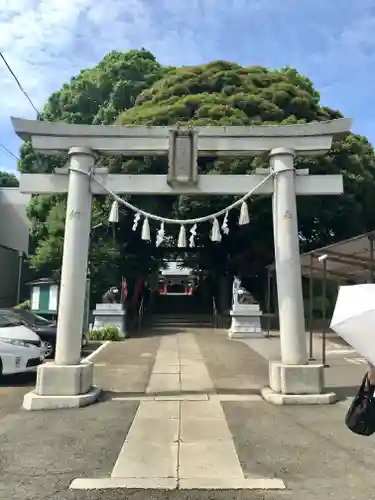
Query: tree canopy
x=97, y=95
x=225, y=93
x=133, y=88
x=8, y=180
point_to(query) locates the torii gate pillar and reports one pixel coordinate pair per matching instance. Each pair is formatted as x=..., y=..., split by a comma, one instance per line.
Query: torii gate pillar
x=287, y=259
x=68, y=382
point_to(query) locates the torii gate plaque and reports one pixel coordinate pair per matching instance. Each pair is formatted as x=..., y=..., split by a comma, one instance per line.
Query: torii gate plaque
x=67, y=382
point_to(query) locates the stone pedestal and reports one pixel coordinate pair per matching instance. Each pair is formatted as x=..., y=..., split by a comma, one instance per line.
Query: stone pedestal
x=110, y=315
x=245, y=321
x=297, y=385
x=62, y=386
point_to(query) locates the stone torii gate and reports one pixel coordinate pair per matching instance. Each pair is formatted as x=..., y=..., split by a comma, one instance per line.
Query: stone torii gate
x=68, y=382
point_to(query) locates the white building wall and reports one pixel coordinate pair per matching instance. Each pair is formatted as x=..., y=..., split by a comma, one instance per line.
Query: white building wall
x=14, y=224
x=14, y=240
x=9, y=269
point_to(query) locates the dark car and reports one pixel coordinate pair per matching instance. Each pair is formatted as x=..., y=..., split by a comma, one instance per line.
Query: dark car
x=45, y=328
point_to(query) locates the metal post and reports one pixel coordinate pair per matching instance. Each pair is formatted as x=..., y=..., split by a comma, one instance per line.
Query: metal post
x=275, y=301
x=371, y=238
x=311, y=310
x=87, y=307
x=19, y=277
x=324, y=312
x=268, y=301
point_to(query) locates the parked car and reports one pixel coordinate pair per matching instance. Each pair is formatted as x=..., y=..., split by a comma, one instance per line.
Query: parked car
x=46, y=329
x=21, y=349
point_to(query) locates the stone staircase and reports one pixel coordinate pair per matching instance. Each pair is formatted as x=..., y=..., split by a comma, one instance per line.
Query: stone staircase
x=179, y=312
x=180, y=321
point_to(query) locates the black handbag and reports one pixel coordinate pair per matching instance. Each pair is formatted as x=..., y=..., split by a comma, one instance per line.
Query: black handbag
x=360, y=417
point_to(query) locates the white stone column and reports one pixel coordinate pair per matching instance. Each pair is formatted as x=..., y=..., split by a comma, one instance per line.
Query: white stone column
x=75, y=257
x=68, y=382
x=287, y=259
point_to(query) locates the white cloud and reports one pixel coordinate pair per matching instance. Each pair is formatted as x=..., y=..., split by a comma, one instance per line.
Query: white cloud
x=9, y=170
x=46, y=42
x=33, y=37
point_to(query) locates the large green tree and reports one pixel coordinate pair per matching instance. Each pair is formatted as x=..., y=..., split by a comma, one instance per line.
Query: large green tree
x=132, y=88
x=97, y=95
x=225, y=93
x=8, y=180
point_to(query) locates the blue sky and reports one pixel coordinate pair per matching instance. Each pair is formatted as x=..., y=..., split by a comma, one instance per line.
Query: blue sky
x=48, y=41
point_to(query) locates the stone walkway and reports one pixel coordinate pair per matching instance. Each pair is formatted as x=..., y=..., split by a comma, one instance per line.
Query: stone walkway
x=179, y=437
x=201, y=432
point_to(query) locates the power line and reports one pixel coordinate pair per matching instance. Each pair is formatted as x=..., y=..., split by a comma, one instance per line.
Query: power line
x=9, y=152
x=18, y=83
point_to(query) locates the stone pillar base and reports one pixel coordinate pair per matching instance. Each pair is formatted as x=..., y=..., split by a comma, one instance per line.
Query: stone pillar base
x=60, y=386
x=245, y=322
x=297, y=385
x=110, y=315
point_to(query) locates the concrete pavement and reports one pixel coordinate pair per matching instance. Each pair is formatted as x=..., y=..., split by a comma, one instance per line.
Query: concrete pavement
x=345, y=367
x=14, y=387
x=179, y=437
x=307, y=448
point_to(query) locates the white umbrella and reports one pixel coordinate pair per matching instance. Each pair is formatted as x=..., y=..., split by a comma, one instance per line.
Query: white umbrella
x=354, y=318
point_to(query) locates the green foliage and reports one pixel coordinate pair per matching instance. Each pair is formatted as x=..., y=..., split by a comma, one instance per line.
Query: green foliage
x=133, y=88
x=8, y=180
x=224, y=93
x=97, y=95
x=105, y=333
x=24, y=305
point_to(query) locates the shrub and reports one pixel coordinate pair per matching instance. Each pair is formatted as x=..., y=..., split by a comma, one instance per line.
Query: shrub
x=105, y=333
x=24, y=305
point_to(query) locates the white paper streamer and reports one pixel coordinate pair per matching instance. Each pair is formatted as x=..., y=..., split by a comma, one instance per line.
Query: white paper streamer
x=114, y=213
x=146, y=236
x=137, y=218
x=193, y=233
x=160, y=235
x=215, y=232
x=225, y=227
x=244, y=215
x=182, y=237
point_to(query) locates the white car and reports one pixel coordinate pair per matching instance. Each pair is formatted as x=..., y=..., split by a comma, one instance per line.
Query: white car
x=21, y=349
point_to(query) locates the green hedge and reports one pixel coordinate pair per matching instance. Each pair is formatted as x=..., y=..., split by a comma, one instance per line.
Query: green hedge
x=24, y=305
x=105, y=333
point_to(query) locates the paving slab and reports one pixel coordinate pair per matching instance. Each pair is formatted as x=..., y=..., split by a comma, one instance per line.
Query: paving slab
x=232, y=365
x=162, y=410
x=142, y=459
x=183, y=397
x=196, y=383
x=229, y=484
x=205, y=430
x=125, y=367
x=153, y=429
x=164, y=382
x=131, y=483
x=165, y=367
x=195, y=410
x=209, y=460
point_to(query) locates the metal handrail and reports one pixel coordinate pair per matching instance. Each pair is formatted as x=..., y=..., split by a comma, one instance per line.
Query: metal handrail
x=214, y=313
x=140, y=315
